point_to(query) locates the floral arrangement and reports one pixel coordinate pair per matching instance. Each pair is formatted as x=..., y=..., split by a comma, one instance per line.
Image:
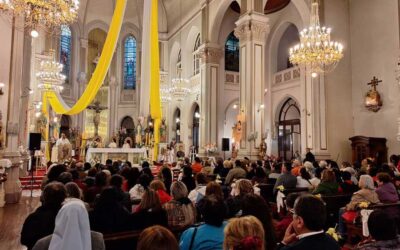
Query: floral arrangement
x=363, y=205
x=210, y=148
x=280, y=188
x=332, y=232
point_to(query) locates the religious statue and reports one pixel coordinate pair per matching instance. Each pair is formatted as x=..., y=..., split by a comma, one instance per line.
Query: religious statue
x=64, y=148
x=41, y=126
x=96, y=118
x=373, y=100
x=237, y=132
x=163, y=131
x=262, y=151
x=139, y=131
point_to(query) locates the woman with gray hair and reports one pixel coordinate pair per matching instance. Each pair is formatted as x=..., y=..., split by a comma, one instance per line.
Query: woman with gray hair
x=180, y=210
x=365, y=194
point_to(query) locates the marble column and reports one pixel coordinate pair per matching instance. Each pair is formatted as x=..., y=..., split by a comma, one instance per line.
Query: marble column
x=210, y=62
x=112, y=114
x=252, y=30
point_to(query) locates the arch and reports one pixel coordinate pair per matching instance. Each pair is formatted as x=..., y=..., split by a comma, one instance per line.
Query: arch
x=128, y=29
x=188, y=55
x=232, y=53
x=65, y=51
x=173, y=58
x=177, y=124
x=196, y=58
x=288, y=39
x=127, y=123
x=282, y=102
x=230, y=118
x=65, y=125
x=95, y=24
x=219, y=16
x=288, y=128
x=130, y=62
x=195, y=125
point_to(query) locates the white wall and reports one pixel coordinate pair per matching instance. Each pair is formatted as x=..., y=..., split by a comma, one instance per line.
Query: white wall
x=374, y=29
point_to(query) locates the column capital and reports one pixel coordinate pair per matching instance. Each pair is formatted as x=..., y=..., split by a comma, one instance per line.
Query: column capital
x=210, y=53
x=253, y=26
x=203, y=3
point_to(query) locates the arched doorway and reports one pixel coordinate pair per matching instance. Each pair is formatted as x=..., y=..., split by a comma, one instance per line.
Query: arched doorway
x=196, y=128
x=177, y=120
x=128, y=125
x=65, y=125
x=289, y=130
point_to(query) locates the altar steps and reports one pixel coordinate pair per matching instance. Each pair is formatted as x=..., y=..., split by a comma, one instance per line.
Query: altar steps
x=28, y=183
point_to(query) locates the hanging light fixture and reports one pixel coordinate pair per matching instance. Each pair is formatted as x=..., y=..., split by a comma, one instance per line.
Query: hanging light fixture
x=50, y=76
x=165, y=94
x=44, y=13
x=179, y=89
x=316, y=50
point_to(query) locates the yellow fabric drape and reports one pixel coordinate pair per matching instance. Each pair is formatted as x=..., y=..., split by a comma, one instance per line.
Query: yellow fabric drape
x=99, y=74
x=155, y=103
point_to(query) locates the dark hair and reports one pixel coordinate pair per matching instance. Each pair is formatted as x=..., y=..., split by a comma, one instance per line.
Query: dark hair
x=212, y=210
x=65, y=177
x=255, y=205
x=346, y=176
x=116, y=181
x=312, y=210
x=92, y=172
x=304, y=174
x=238, y=163
x=197, y=159
x=291, y=199
x=73, y=190
x=157, y=238
x=145, y=164
x=373, y=171
x=100, y=179
x=86, y=166
x=166, y=177
x=318, y=172
x=187, y=171
x=144, y=180
x=55, y=172
x=148, y=172
x=214, y=189
x=384, y=177
x=75, y=174
x=394, y=159
x=278, y=167
x=381, y=226
x=288, y=166
x=109, y=162
x=53, y=194
x=201, y=178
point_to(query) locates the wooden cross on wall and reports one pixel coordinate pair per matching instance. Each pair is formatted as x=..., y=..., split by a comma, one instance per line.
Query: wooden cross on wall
x=374, y=82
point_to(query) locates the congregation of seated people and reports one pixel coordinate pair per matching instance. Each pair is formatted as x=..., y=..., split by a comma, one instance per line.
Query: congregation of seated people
x=219, y=204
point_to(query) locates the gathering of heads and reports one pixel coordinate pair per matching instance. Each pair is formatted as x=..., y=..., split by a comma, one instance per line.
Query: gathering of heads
x=218, y=204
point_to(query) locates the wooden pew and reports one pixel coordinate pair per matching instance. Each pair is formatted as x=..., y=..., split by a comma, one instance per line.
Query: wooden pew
x=333, y=204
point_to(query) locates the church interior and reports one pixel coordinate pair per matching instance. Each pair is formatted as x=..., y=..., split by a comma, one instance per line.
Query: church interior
x=106, y=103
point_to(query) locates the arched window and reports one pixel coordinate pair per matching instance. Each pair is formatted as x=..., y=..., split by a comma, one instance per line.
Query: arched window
x=232, y=53
x=130, y=63
x=196, y=58
x=179, y=63
x=65, y=50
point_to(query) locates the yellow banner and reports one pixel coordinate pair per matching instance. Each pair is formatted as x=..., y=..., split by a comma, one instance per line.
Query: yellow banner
x=97, y=79
x=155, y=102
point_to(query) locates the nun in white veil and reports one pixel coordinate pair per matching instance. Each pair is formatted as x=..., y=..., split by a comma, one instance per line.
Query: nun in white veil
x=72, y=230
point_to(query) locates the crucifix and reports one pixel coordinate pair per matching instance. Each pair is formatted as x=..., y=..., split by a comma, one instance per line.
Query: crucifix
x=96, y=119
x=374, y=82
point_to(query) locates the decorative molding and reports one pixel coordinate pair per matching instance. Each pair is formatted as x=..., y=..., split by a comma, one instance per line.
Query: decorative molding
x=84, y=43
x=253, y=27
x=287, y=75
x=209, y=54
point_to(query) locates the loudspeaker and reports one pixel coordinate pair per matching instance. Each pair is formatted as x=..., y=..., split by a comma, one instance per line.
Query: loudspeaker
x=34, y=141
x=225, y=144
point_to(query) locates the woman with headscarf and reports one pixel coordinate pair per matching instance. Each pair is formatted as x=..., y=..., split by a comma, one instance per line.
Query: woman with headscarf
x=72, y=231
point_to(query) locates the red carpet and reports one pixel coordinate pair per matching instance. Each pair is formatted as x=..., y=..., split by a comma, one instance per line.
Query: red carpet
x=28, y=183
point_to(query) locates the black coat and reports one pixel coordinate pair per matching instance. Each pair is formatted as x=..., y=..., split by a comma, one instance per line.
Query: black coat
x=38, y=225
x=314, y=242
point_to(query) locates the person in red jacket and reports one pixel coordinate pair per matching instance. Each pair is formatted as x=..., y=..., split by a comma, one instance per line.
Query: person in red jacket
x=159, y=187
x=197, y=166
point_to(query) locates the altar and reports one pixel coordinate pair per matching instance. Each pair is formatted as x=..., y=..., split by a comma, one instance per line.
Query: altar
x=133, y=155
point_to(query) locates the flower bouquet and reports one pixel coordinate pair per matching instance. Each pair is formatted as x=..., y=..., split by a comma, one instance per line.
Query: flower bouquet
x=210, y=148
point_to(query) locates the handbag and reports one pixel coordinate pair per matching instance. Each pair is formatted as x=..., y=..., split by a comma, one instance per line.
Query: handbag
x=192, y=240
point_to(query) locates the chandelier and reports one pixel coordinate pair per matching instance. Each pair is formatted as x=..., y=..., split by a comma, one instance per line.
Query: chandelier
x=316, y=50
x=179, y=89
x=165, y=94
x=45, y=13
x=50, y=76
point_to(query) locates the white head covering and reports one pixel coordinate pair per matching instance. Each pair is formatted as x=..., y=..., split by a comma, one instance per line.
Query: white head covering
x=72, y=229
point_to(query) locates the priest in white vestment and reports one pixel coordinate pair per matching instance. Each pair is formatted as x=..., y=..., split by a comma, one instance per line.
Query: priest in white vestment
x=64, y=148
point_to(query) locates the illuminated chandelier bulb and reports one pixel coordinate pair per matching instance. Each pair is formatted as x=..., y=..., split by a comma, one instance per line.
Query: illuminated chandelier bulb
x=34, y=33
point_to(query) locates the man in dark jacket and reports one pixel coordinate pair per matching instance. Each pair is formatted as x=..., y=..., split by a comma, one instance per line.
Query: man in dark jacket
x=41, y=222
x=306, y=232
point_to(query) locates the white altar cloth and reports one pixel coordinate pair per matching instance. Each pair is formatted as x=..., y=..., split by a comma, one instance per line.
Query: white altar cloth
x=134, y=155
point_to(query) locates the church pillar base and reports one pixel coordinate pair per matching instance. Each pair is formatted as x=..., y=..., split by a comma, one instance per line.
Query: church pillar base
x=12, y=187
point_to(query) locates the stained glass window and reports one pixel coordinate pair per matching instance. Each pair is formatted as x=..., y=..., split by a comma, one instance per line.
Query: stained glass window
x=130, y=63
x=232, y=53
x=65, y=50
x=196, y=59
